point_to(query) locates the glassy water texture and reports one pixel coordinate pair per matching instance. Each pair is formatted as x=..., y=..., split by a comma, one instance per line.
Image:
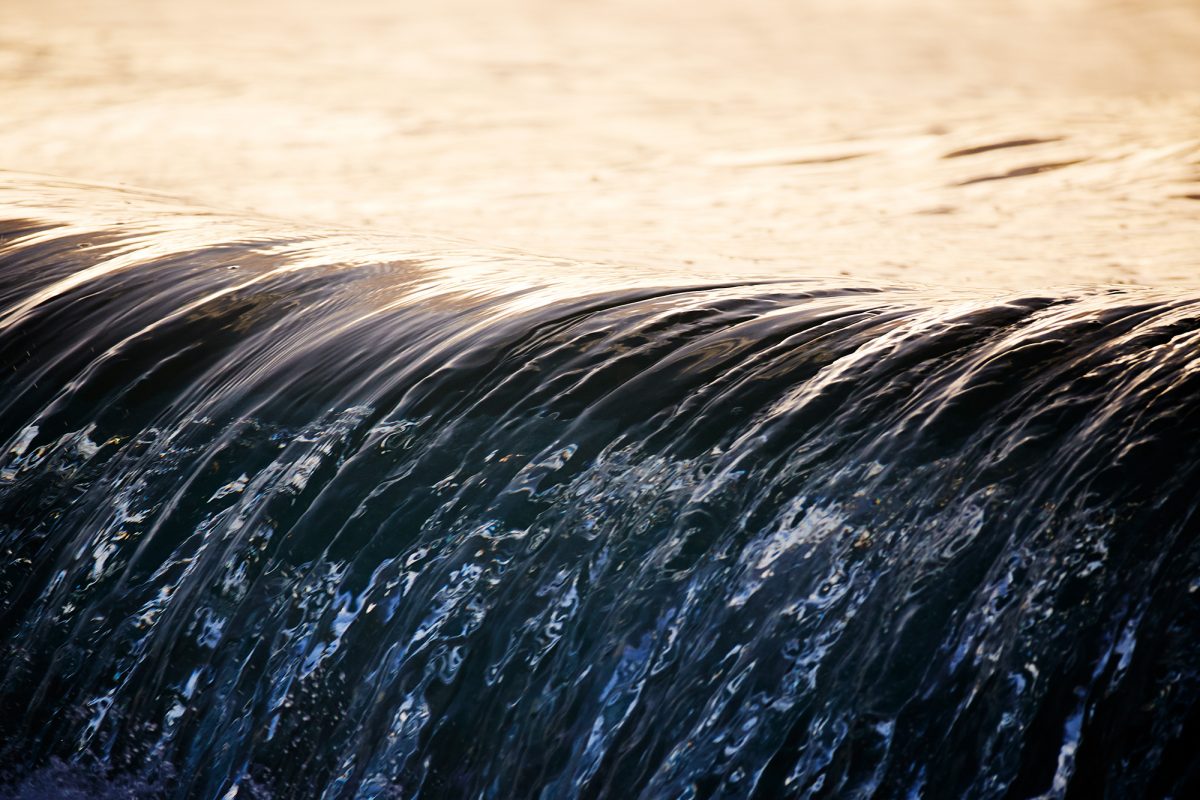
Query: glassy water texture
x=291, y=513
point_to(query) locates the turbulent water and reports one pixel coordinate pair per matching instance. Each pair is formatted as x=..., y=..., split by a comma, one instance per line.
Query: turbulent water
x=299, y=514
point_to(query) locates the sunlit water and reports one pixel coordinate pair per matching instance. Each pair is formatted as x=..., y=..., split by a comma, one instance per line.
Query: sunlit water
x=757, y=399
x=781, y=136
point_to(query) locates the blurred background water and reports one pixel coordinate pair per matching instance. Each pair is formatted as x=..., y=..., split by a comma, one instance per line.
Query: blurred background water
x=772, y=135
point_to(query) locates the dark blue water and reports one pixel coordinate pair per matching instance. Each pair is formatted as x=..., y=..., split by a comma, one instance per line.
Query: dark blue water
x=283, y=520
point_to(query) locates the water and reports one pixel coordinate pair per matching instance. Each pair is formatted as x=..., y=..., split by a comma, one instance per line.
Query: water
x=771, y=137
x=758, y=398
x=291, y=512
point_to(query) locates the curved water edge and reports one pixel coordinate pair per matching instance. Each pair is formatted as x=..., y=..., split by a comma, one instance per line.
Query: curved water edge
x=297, y=514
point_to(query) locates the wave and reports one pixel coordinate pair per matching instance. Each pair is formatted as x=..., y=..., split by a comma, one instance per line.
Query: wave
x=289, y=513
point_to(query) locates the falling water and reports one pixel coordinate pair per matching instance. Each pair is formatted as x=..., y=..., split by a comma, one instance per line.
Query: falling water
x=300, y=513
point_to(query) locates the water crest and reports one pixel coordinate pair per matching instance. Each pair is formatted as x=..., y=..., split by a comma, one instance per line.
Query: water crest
x=300, y=514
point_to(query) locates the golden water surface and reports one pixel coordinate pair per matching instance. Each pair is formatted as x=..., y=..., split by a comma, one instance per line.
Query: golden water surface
x=961, y=142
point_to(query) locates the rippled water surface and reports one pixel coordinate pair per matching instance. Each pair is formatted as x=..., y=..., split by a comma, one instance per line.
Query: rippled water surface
x=777, y=136
x=714, y=400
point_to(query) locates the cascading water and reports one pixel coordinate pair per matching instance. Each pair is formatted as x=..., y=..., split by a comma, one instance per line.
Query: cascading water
x=294, y=515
